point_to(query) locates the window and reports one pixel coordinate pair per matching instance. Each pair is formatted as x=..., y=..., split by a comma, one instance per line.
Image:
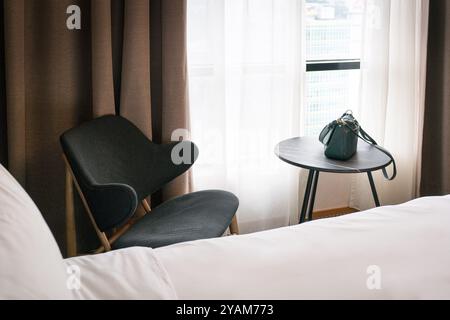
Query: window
x=249, y=89
x=333, y=52
x=333, y=36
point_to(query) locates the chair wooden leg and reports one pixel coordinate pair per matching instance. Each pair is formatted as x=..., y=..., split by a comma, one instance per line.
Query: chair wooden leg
x=146, y=206
x=101, y=235
x=71, y=238
x=104, y=240
x=118, y=232
x=234, y=228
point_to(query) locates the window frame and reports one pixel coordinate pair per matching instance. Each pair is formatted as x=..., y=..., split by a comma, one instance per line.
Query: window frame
x=333, y=65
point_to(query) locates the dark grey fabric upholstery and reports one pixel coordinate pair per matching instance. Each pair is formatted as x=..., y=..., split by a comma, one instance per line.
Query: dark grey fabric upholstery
x=198, y=215
x=117, y=166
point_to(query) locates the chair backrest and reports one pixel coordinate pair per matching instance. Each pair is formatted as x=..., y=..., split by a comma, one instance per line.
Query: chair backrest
x=117, y=166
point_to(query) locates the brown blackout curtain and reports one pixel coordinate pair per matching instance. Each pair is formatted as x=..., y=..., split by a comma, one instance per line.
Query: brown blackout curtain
x=436, y=139
x=129, y=58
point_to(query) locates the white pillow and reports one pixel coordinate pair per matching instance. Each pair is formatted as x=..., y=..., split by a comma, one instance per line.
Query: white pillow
x=132, y=273
x=31, y=265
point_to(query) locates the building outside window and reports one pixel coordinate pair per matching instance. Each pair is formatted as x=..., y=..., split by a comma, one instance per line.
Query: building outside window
x=333, y=52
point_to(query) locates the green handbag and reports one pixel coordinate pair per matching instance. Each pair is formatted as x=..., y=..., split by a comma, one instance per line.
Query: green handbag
x=340, y=139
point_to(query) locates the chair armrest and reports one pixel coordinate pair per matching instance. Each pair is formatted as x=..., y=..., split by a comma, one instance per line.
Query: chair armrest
x=105, y=199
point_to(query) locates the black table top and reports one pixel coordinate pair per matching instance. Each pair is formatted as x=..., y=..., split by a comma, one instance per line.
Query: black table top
x=308, y=153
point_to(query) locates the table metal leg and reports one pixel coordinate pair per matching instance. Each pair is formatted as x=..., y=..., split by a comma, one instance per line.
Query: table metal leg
x=306, y=197
x=313, y=195
x=374, y=190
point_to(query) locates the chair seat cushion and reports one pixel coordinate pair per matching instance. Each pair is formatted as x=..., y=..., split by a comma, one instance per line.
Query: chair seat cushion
x=197, y=215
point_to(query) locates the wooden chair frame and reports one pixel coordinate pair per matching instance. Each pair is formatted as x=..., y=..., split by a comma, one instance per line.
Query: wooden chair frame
x=105, y=241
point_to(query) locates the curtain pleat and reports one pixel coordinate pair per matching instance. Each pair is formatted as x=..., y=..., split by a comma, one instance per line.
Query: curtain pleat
x=247, y=87
x=117, y=21
x=436, y=138
x=3, y=127
x=57, y=78
x=175, y=99
x=135, y=99
x=392, y=94
x=102, y=62
x=174, y=69
x=48, y=90
x=15, y=86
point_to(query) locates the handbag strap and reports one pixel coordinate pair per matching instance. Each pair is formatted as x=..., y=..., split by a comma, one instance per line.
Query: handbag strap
x=363, y=135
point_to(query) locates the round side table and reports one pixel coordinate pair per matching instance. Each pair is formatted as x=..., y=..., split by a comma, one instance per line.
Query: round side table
x=308, y=153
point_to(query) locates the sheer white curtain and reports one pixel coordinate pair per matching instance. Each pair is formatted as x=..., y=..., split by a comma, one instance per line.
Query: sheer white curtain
x=392, y=93
x=245, y=62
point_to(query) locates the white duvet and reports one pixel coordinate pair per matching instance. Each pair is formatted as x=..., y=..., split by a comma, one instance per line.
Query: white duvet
x=397, y=252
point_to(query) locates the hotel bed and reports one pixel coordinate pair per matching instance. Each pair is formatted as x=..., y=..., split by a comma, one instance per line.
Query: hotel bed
x=393, y=252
